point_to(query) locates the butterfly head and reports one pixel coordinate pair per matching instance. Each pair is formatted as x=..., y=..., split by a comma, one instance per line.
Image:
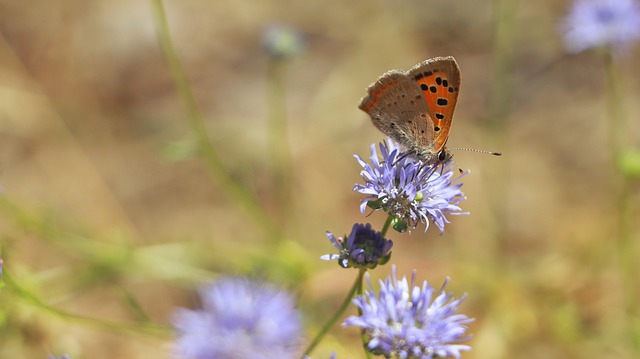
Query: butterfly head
x=429, y=157
x=444, y=156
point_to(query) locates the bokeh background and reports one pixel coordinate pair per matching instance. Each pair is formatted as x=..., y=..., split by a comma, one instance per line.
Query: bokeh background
x=111, y=215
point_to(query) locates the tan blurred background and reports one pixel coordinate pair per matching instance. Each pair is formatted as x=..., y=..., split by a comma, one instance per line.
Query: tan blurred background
x=105, y=197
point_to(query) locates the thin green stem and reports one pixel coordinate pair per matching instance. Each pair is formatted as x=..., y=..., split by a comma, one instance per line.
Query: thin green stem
x=217, y=169
x=279, y=134
x=615, y=105
x=626, y=247
x=135, y=306
x=357, y=287
x=360, y=291
x=500, y=99
x=500, y=85
x=146, y=327
x=386, y=225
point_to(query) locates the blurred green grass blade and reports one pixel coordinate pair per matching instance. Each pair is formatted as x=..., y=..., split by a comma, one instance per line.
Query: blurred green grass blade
x=217, y=171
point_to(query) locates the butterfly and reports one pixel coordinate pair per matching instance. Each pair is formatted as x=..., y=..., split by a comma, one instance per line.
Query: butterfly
x=415, y=108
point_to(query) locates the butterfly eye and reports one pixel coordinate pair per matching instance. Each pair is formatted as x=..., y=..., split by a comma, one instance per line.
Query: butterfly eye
x=443, y=156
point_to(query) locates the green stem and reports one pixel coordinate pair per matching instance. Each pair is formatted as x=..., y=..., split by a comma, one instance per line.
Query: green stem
x=500, y=86
x=500, y=98
x=386, y=225
x=279, y=134
x=385, y=229
x=360, y=290
x=615, y=106
x=146, y=327
x=357, y=287
x=626, y=247
x=217, y=170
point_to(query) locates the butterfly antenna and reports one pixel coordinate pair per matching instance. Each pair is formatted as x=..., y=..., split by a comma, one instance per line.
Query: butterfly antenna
x=479, y=151
x=474, y=150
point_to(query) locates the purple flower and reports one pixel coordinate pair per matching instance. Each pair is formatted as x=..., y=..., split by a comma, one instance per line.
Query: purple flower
x=407, y=189
x=63, y=356
x=364, y=248
x=332, y=356
x=239, y=319
x=593, y=23
x=408, y=321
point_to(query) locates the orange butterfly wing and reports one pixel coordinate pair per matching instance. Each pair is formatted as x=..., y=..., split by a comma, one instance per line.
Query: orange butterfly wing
x=439, y=80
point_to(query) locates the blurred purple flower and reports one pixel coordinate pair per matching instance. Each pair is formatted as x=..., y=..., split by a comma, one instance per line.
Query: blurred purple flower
x=407, y=189
x=63, y=356
x=363, y=248
x=332, y=356
x=408, y=321
x=593, y=23
x=239, y=319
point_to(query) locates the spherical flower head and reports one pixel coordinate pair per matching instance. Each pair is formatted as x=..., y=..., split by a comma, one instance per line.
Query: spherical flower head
x=409, y=321
x=593, y=23
x=363, y=248
x=407, y=189
x=239, y=319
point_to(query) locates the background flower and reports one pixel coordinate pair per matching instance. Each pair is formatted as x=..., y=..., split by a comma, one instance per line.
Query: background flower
x=593, y=23
x=408, y=321
x=239, y=319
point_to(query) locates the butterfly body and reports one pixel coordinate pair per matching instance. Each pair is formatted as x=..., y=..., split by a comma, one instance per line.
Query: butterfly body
x=415, y=108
